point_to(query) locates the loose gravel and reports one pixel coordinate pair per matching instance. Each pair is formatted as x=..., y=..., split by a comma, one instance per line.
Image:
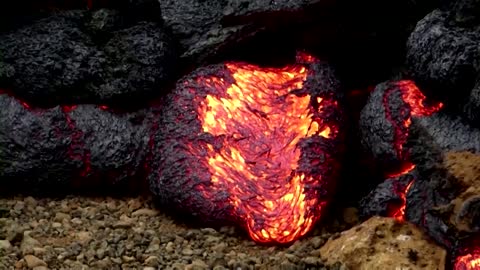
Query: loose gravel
x=130, y=233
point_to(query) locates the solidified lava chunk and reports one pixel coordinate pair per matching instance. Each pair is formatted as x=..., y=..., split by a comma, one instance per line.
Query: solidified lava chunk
x=385, y=121
x=388, y=199
x=60, y=59
x=254, y=146
x=443, y=55
x=67, y=147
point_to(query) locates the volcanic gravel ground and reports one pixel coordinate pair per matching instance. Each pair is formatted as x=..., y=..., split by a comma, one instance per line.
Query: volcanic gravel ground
x=129, y=233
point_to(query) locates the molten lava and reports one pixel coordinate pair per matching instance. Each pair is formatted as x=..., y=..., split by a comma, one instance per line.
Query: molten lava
x=259, y=122
x=468, y=262
x=469, y=257
x=415, y=100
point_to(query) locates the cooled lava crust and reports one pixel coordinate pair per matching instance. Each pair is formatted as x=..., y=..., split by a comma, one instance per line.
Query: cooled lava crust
x=68, y=148
x=258, y=147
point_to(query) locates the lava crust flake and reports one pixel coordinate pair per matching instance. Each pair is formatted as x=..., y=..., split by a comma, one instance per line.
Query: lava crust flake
x=254, y=146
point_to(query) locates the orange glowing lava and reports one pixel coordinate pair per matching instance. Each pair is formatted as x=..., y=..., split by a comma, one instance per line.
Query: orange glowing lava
x=416, y=99
x=412, y=95
x=261, y=122
x=400, y=213
x=468, y=262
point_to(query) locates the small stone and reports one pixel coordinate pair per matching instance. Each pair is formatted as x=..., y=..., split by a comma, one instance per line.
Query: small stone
x=170, y=247
x=5, y=245
x=145, y=212
x=76, y=221
x=154, y=245
x=56, y=225
x=128, y=259
x=187, y=252
x=197, y=265
x=59, y=217
x=152, y=261
x=105, y=263
x=40, y=268
x=28, y=243
x=134, y=204
x=30, y=201
x=310, y=260
x=219, y=247
x=37, y=251
x=83, y=237
x=124, y=223
x=149, y=268
x=178, y=266
x=33, y=261
x=317, y=242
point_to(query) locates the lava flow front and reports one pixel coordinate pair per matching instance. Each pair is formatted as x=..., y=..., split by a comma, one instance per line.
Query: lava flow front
x=267, y=143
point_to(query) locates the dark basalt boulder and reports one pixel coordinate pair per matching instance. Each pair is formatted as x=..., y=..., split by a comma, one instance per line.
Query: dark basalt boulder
x=443, y=56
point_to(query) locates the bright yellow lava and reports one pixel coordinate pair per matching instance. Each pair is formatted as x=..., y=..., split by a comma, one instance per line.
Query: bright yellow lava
x=261, y=123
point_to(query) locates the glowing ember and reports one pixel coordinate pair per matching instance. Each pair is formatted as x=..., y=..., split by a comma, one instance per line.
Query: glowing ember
x=263, y=122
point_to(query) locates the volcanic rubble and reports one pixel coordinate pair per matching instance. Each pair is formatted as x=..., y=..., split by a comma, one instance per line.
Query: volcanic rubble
x=137, y=134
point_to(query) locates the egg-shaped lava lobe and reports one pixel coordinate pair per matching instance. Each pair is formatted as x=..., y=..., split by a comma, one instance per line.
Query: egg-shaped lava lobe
x=385, y=122
x=252, y=146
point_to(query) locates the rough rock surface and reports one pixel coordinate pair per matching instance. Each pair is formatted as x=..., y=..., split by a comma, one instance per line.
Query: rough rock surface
x=443, y=56
x=438, y=199
x=72, y=57
x=130, y=233
x=200, y=25
x=383, y=243
x=68, y=146
x=465, y=208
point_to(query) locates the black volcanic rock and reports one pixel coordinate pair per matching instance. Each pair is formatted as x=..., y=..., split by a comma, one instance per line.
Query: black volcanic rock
x=138, y=61
x=68, y=147
x=444, y=57
x=59, y=59
x=202, y=28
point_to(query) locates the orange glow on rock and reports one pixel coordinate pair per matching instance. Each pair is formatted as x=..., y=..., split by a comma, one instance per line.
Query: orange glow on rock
x=260, y=122
x=469, y=261
x=400, y=213
x=412, y=95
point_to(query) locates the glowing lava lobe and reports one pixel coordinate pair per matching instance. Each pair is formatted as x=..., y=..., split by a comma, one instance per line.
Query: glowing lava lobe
x=468, y=255
x=386, y=118
x=255, y=146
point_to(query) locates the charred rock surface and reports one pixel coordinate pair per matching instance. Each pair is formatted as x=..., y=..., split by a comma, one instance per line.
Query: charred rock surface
x=232, y=169
x=59, y=59
x=67, y=147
